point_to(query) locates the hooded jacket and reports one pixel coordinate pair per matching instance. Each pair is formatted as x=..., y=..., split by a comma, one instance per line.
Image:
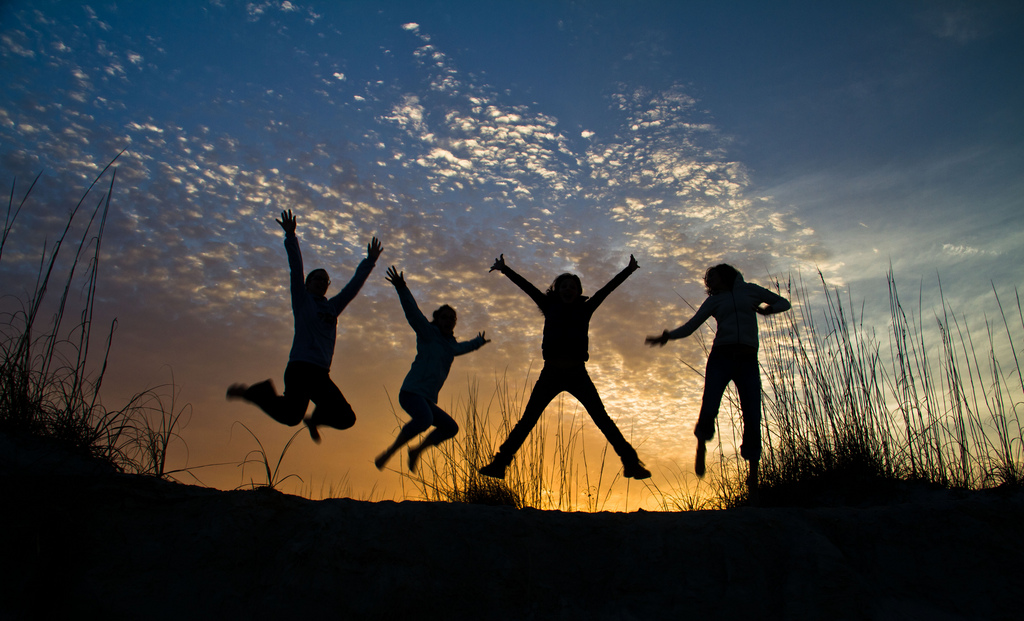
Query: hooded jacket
x=316, y=316
x=734, y=312
x=434, y=351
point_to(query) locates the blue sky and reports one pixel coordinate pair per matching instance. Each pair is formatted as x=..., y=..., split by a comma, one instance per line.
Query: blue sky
x=782, y=138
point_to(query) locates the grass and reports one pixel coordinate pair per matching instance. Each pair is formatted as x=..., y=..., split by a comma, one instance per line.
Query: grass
x=849, y=415
x=849, y=418
x=49, y=384
x=543, y=476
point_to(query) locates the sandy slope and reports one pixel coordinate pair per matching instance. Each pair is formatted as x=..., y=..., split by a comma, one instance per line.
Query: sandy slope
x=122, y=547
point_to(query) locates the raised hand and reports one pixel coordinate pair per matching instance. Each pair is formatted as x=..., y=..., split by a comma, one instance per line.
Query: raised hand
x=633, y=265
x=287, y=222
x=395, y=277
x=499, y=264
x=374, y=248
x=482, y=335
x=659, y=340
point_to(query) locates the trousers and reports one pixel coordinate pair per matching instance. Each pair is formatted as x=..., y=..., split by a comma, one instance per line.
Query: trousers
x=737, y=364
x=304, y=382
x=574, y=379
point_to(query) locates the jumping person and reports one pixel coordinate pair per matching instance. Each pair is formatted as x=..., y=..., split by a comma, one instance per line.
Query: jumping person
x=735, y=305
x=567, y=314
x=436, y=348
x=307, y=376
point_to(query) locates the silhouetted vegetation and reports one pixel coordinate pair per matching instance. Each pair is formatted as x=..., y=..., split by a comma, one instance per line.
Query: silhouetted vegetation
x=49, y=383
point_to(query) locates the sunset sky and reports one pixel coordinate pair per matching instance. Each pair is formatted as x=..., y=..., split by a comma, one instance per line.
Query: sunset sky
x=783, y=138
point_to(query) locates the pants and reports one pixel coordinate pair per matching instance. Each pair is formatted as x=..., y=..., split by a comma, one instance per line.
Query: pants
x=738, y=364
x=574, y=379
x=304, y=382
x=424, y=414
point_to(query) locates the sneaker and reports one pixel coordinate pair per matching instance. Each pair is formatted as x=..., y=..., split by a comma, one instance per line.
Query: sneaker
x=313, y=431
x=635, y=470
x=494, y=470
x=698, y=465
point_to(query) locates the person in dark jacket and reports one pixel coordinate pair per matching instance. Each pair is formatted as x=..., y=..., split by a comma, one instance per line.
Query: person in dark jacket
x=307, y=376
x=735, y=305
x=565, y=349
x=436, y=348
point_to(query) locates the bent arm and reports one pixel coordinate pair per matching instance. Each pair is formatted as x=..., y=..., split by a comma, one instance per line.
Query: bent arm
x=775, y=302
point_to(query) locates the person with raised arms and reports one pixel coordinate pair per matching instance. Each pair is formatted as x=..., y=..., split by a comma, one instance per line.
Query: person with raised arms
x=565, y=349
x=307, y=376
x=436, y=349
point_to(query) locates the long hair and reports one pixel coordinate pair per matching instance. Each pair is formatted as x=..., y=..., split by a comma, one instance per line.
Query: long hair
x=553, y=289
x=727, y=275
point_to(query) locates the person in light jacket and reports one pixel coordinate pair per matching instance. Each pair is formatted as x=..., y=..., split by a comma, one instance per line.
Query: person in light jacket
x=735, y=305
x=307, y=376
x=436, y=348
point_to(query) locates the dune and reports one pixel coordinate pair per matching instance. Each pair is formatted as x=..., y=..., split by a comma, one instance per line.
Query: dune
x=82, y=541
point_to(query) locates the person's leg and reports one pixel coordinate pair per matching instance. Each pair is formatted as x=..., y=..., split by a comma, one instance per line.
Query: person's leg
x=445, y=427
x=748, y=383
x=548, y=385
x=287, y=409
x=422, y=416
x=332, y=410
x=582, y=387
x=717, y=375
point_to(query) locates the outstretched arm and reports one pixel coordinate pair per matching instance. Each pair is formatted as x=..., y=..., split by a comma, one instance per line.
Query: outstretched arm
x=349, y=291
x=464, y=347
x=620, y=278
x=412, y=311
x=522, y=283
x=291, y=246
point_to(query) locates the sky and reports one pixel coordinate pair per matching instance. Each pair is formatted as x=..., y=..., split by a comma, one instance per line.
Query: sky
x=783, y=138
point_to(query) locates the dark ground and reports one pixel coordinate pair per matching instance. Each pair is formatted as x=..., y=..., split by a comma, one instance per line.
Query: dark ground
x=81, y=542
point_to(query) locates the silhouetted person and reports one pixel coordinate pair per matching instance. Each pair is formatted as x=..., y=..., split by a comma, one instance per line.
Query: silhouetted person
x=567, y=314
x=436, y=348
x=307, y=376
x=734, y=304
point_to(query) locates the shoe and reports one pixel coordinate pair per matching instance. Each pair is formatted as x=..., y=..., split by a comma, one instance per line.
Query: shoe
x=414, y=459
x=635, y=470
x=260, y=392
x=237, y=391
x=698, y=465
x=313, y=431
x=494, y=470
